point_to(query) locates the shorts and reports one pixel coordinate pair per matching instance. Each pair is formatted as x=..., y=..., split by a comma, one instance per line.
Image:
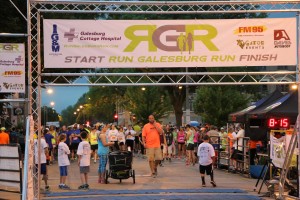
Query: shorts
x=43, y=168
x=163, y=148
x=94, y=147
x=84, y=169
x=154, y=154
x=130, y=143
x=63, y=170
x=205, y=168
x=74, y=146
x=190, y=147
x=216, y=146
x=237, y=155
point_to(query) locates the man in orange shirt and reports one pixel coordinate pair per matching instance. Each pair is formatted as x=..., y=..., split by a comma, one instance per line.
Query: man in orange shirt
x=4, y=137
x=151, y=141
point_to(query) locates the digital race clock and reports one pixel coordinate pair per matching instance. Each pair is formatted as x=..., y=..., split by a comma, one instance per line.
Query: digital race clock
x=276, y=123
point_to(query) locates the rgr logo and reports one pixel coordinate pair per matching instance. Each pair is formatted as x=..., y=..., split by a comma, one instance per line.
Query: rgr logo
x=9, y=47
x=184, y=41
x=55, y=38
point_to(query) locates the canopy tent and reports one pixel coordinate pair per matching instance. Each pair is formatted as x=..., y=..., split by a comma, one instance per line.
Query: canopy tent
x=284, y=107
x=240, y=116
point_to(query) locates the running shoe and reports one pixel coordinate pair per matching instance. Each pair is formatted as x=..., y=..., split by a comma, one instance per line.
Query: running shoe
x=82, y=187
x=213, y=183
x=65, y=187
x=86, y=186
x=47, y=188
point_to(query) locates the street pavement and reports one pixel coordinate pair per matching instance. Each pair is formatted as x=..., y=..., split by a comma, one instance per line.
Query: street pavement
x=174, y=181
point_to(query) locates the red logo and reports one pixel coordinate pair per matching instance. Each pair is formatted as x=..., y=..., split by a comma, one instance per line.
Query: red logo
x=281, y=34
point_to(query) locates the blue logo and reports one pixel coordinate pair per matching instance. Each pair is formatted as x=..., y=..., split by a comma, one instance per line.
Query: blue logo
x=55, y=38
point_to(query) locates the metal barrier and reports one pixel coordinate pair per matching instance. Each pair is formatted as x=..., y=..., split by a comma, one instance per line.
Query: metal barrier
x=224, y=156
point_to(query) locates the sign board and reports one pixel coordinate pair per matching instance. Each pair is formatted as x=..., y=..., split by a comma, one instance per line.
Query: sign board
x=12, y=67
x=169, y=43
x=10, y=168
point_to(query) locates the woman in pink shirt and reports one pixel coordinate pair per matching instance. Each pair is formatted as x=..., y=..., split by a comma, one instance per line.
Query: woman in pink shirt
x=181, y=142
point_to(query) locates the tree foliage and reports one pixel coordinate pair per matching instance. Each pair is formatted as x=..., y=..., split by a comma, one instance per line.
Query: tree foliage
x=214, y=103
x=153, y=100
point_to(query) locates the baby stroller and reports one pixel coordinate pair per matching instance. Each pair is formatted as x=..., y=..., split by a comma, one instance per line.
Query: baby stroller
x=120, y=166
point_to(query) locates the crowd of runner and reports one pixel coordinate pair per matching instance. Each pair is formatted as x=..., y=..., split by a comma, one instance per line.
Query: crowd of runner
x=82, y=144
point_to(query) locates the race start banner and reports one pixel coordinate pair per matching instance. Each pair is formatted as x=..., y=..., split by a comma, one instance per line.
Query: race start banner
x=12, y=67
x=169, y=43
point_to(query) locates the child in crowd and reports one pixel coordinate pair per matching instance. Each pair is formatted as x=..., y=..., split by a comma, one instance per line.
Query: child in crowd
x=44, y=153
x=206, y=154
x=63, y=161
x=84, y=156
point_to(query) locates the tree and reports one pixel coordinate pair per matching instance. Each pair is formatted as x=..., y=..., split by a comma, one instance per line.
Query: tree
x=153, y=100
x=214, y=103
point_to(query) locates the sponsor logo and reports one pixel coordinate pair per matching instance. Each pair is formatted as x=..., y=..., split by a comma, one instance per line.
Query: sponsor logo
x=254, y=44
x=172, y=38
x=70, y=35
x=18, y=59
x=250, y=31
x=87, y=36
x=12, y=73
x=13, y=86
x=281, y=39
x=55, y=38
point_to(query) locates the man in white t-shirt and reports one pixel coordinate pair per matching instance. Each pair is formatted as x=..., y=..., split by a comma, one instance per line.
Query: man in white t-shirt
x=206, y=154
x=44, y=154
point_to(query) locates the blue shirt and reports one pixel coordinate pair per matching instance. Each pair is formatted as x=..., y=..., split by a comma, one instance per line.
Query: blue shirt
x=77, y=138
x=48, y=138
x=102, y=150
x=68, y=133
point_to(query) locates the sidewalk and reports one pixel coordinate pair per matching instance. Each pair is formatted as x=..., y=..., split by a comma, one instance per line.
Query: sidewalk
x=174, y=180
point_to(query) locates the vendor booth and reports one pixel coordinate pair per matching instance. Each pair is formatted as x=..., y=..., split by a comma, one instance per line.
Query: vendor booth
x=279, y=114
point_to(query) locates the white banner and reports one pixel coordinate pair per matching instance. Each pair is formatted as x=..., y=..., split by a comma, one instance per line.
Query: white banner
x=169, y=43
x=12, y=67
x=277, y=150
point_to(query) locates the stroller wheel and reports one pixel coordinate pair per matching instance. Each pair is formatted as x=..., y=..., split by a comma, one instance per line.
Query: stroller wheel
x=106, y=177
x=133, y=176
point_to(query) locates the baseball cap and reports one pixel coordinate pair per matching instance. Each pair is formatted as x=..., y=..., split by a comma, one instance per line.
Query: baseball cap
x=2, y=129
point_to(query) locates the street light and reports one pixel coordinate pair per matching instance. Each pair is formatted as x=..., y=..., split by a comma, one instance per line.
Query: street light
x=49, y=90
x=294, y=86
x=52, y=103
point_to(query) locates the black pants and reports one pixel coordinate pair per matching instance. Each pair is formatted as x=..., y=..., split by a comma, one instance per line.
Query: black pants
x=253, y=154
